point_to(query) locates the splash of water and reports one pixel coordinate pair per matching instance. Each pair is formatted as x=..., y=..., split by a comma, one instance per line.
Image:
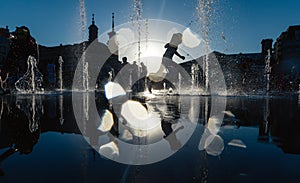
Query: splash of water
x=85, y=73
x=84, y=77
x=204, y=12
x=146, y=49
x=268, y=72
x=32, y=75
x=32, y=80
x=60, y=62
x=137, y=19
x=179, y=83
x=82, y=19
x=195, y=73
x=130, y=78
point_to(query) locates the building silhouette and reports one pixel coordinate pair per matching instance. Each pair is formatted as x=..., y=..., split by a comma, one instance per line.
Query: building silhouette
x=71, y=54
x=245, y=71
x=287, y=59
x=16, y=47
x=112, y=33
x=4, y=44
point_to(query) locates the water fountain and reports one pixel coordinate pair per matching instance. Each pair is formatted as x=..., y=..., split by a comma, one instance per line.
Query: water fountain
x=195, y=78
x=37, y=51
x=60, y=62
x=137, y=18
x=193, y=74
x=31, y=81
x=268, y=72
x=130, y=80
x=197, y=75
x=204, y=12
x=85, y=74
x=179, y=83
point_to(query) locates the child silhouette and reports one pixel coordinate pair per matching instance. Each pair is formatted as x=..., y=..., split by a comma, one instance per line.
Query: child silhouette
x=172, y=47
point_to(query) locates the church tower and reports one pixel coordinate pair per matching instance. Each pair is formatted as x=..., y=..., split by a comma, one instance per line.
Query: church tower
x=93, y=30
x=112, y=38
x=112, y=33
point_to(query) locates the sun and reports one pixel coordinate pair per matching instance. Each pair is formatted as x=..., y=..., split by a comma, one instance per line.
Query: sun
x=152, y=49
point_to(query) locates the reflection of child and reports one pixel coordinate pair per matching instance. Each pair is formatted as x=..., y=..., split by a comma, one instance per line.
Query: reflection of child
x=170, y=135
x=3, y=82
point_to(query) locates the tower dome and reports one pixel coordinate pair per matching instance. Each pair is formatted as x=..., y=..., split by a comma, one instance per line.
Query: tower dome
x=93, y=30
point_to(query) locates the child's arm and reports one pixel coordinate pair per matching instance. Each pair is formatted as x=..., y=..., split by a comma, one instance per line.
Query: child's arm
x=180, y=56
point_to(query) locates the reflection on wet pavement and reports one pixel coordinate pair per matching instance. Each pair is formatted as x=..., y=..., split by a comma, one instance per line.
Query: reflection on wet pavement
x=256, y=128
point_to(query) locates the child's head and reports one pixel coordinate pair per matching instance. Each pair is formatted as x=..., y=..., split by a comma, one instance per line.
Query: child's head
x=176, y=39
x=124, y=59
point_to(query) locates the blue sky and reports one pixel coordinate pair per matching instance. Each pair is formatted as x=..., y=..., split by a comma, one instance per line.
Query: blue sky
x=244, y=22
